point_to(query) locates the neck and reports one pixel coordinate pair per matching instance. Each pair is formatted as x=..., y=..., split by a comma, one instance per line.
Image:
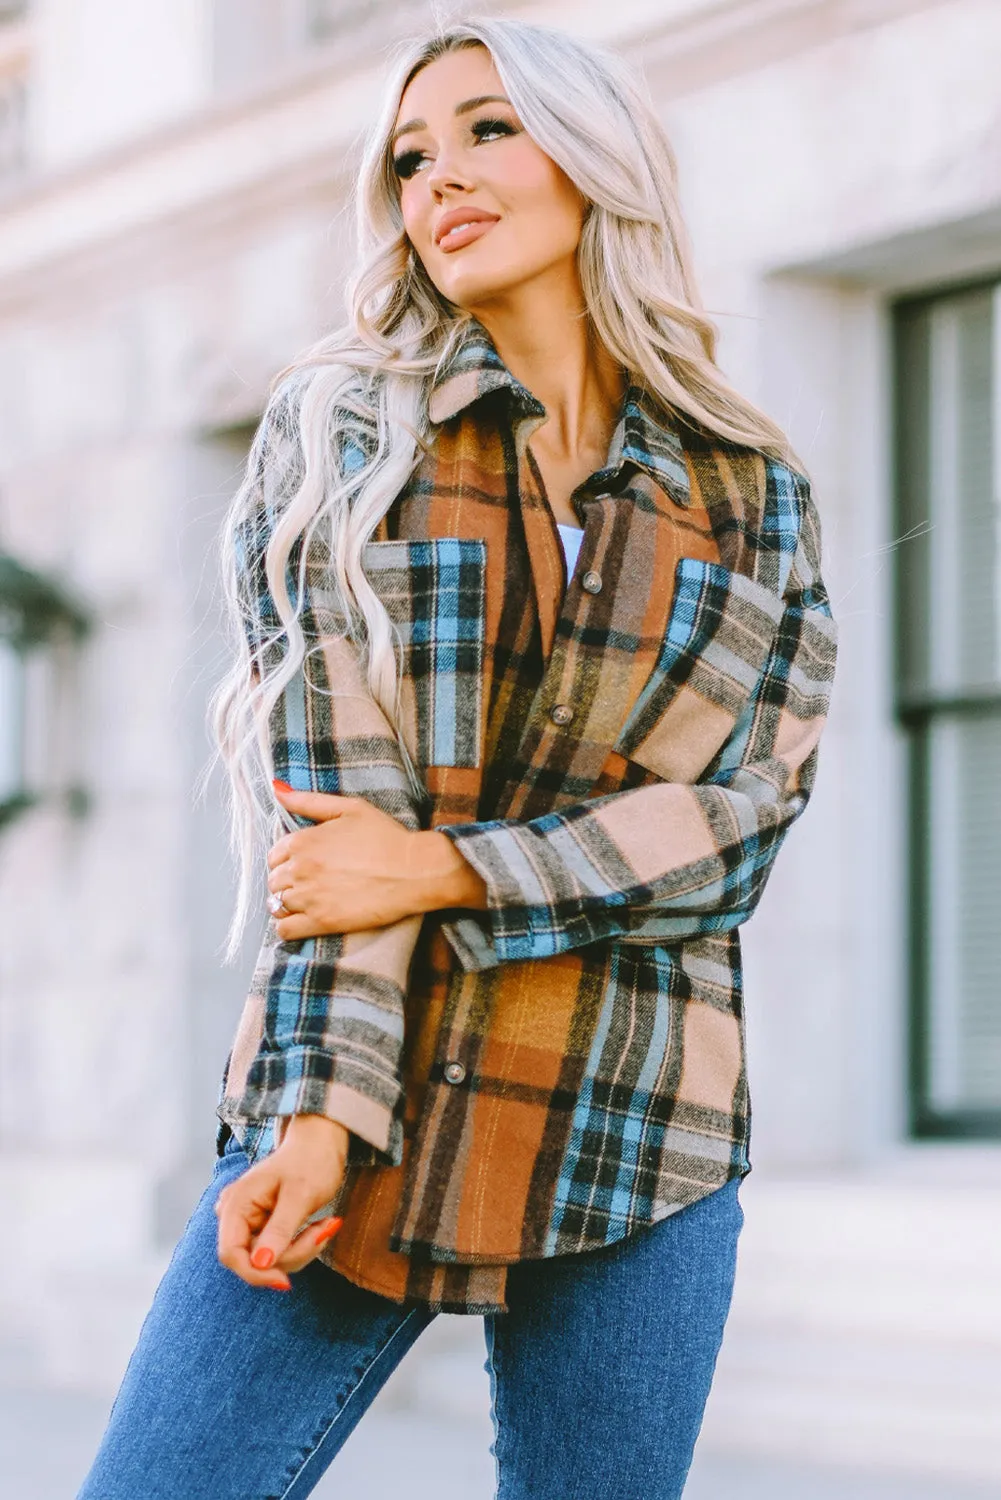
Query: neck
x=543, y=335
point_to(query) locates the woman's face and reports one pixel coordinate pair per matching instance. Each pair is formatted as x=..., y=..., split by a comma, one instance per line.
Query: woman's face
x=486, y=210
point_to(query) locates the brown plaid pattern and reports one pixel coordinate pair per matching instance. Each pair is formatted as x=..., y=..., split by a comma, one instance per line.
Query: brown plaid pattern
x=620, y=763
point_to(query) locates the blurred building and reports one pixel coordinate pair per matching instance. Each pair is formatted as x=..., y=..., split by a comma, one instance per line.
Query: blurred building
x=174, y=226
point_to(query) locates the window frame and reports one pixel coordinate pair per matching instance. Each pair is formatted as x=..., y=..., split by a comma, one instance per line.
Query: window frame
x=16, y=50
x=915, y=713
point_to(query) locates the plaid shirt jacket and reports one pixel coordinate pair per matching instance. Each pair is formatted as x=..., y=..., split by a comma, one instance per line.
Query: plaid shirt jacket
x=620, y=757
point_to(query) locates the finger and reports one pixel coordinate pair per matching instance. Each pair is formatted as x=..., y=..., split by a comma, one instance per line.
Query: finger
x=298, y=926
x=290, y=905
x=281, y=873
x=282, y=903
x=292, y=1206
x=280, y=850
x=240, y=1216
x=307, y=1245
x=316, y=805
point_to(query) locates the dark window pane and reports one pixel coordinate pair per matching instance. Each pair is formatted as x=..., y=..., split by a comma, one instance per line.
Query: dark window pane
x=914, y=499
x=964, y=852
x=948, y=629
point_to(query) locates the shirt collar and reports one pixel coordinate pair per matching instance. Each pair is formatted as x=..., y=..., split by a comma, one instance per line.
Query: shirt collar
x=644, y=434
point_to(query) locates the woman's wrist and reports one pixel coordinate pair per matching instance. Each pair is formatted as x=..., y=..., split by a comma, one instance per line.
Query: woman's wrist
x=312, y=1127
x=446, y=876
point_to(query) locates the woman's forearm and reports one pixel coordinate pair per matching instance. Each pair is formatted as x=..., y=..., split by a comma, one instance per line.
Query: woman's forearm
x=450, y=878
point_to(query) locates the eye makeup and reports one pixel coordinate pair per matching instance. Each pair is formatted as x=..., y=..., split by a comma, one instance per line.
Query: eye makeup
x=406, y=164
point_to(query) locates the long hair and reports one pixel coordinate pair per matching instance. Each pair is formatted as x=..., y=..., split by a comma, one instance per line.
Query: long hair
x=346, y=422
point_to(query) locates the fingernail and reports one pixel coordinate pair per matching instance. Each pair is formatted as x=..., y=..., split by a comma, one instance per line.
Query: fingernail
x=262, y=1258
x=328, y=1231
x=280, y=1286
x=282, y=786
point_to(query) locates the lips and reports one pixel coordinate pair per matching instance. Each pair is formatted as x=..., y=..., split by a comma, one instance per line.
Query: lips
x=460, y=226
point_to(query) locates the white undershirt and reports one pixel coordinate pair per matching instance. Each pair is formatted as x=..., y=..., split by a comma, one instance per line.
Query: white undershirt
x=571, y=537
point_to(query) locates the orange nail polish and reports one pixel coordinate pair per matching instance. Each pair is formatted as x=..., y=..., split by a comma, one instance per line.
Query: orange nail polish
x=328, y=1231
x=282, y=786
x=280, y=1286
x=262, y=1258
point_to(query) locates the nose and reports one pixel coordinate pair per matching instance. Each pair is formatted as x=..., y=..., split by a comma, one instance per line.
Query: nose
x=448, y=173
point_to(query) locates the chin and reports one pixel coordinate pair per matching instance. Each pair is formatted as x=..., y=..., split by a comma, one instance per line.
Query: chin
x=476, y=288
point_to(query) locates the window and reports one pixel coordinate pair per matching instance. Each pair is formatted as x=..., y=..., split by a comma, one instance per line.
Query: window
x=324, y=18
x=255, y=41
x=11, y=725
x=14, y=61
x=948, y=470
x=40, y=626
x=13, y=122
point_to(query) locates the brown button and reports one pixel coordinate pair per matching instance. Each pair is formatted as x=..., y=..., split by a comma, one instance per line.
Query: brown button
x=591, y=582
x=561, y=713
x=454, y=1072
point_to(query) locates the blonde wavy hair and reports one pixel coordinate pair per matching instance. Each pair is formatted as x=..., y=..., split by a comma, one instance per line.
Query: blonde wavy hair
x=346, y=422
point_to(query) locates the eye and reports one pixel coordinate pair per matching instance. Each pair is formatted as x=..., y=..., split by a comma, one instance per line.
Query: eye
x=406, y=164
x=485, y=127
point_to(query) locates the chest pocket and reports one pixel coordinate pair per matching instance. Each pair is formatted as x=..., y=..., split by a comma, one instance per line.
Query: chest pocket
x=434, y=593
x=719, y=633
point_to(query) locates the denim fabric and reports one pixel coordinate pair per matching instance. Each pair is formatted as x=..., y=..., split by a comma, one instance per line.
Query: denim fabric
x=599, y=1372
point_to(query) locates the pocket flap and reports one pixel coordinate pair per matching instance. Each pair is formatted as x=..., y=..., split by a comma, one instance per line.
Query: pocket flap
x=718, y=636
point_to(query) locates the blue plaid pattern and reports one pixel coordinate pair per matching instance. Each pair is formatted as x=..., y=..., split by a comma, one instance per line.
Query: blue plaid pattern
x=434, y=592
x=596, y=1006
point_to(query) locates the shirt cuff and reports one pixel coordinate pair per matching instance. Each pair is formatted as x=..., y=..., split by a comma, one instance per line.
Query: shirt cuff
x=516, y=928
x=484, y=939
x=311, y=1081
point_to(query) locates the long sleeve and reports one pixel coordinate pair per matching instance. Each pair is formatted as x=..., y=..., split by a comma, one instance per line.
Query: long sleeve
x=668, y=861
x=331, y=1007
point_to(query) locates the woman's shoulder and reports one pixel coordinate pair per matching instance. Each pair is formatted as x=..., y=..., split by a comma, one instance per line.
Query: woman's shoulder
x=760, y=499
x=758, y=475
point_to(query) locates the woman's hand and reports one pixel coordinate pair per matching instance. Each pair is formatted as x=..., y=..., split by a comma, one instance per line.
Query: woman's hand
x=260, y=1212
x=357, y=867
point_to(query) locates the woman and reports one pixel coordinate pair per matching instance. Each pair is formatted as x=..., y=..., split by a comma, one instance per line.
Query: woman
x=537, y=649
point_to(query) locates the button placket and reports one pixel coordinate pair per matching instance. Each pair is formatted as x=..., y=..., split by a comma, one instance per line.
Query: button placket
x=560, y=678
x=562, y=714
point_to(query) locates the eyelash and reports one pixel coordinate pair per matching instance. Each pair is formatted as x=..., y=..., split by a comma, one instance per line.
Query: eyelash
x=406, y=164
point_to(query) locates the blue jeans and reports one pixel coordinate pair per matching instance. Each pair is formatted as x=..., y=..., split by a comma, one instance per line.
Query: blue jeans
x=599, y=1371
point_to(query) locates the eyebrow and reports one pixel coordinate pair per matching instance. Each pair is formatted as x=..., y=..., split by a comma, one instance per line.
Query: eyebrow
x=460, y=109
